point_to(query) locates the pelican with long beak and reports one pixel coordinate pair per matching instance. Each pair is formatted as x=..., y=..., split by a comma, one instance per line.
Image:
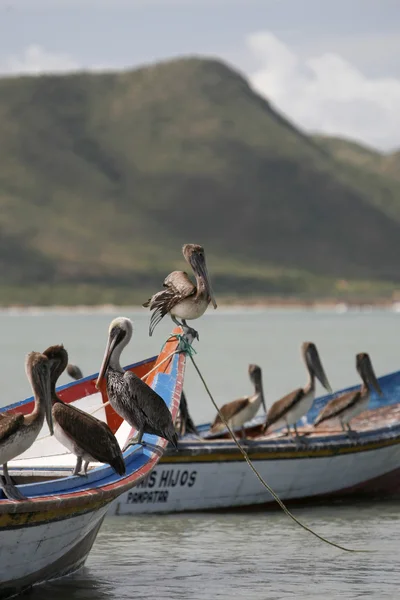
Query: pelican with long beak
x=238, y=412
x=181, y=299
x=349, y=405
x=136, y=402
x=289, y=409
x=90, y=439
x=18, y=431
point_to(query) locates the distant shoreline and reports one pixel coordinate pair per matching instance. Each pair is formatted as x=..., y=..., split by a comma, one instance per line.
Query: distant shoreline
x=336, y=306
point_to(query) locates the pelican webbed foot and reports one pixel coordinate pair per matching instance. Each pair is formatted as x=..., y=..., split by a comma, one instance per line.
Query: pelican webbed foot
x=78, y=465
x=353, y=435
x=136, y=440
x=11, y=492
x=9, y=488
x=190, y=333
x=299, y=440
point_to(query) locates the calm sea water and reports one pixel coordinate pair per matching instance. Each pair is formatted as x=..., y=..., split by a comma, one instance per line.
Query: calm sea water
x=253, y=556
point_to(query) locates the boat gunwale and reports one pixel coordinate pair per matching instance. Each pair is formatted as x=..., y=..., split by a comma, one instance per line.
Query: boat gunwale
x=107, y=492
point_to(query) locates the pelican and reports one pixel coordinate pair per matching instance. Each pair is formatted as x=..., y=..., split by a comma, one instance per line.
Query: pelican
x=85, y=436
x=181, y=298
x=74, y=372
x=349, y=405
x=289, y=409
x=130, y=397
x=18, y=431
x=238, y=412
x=184, y=423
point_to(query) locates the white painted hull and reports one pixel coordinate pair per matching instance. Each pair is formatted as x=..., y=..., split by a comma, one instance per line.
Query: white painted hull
x=219, y=483
x=33, y=554
x=50, y=534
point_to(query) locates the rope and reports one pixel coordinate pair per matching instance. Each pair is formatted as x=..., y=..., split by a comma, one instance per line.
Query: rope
x=257, y=474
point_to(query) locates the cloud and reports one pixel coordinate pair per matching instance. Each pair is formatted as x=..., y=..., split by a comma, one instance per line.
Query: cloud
x=35, y=60
x=327, y=93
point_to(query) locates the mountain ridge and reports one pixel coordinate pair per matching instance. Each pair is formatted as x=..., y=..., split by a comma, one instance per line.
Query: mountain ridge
x=103, y=177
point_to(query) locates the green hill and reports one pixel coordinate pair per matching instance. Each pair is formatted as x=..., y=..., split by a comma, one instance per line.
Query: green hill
x=362, y=156
x=103, y=177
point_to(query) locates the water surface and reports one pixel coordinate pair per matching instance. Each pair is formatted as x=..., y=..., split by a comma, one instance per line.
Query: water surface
x=250, y=556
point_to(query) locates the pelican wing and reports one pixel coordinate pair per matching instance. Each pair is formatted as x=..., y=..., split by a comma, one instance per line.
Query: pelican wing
x=282, y=406
x=9, y=424
x=229, y=410
x=177, y=287
x=91, y=435
x=337, y=406
x=153, y=408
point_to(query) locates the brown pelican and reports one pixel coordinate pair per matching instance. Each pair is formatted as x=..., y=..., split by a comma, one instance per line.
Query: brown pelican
x=18, y=431
x=289, y=409
x=240, y=411
x=130, y=397
x=74, y=372
x=181, y=298
x=184, y=422
x=349, y=405
x=85, y=436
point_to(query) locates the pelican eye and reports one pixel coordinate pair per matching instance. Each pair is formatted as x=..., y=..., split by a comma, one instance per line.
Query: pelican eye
x=118, y=332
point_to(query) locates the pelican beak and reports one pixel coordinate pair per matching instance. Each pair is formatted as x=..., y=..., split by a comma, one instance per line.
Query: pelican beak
x=111, y=343
x=314, y=362
x=201, y=268
x=46, y=391
x=263, y=402
x=369, y=377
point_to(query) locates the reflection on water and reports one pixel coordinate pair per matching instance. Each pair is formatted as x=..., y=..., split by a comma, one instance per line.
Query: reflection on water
x=260, y=555
x=248, y=555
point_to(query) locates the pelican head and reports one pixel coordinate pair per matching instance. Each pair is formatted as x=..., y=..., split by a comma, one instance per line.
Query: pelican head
x=314, y=365
x=37, y=368
x=58, y=360
x=256, y=378
x=119, y=335
x=195, y=256
x=74, y=372
x=366, y=372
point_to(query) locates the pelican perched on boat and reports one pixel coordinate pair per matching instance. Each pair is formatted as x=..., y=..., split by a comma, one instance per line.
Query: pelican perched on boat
x=90, y=439
x=349, y=405
x=289, y=409
x=18, y=431
x=74, y=372
x=181, y=298
x=130, y=397
x=240, y=411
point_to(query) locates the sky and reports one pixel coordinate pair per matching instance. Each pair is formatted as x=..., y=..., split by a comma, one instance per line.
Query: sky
x=330, y=67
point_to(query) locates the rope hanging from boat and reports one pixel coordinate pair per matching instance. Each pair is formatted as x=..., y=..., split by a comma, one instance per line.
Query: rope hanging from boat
x=260, y=478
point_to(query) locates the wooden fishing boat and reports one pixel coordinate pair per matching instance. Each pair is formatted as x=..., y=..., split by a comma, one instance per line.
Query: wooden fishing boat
x=209, y=473
x=51, y=534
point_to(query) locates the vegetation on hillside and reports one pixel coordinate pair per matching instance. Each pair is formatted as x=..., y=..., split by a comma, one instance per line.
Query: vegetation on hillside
x=103, y=177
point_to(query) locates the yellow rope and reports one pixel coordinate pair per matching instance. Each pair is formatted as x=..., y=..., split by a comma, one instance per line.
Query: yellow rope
x=264, y=483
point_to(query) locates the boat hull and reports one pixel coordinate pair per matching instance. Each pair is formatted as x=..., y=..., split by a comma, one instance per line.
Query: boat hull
x=210, y=480
x=50, y=533
x=30, y=555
